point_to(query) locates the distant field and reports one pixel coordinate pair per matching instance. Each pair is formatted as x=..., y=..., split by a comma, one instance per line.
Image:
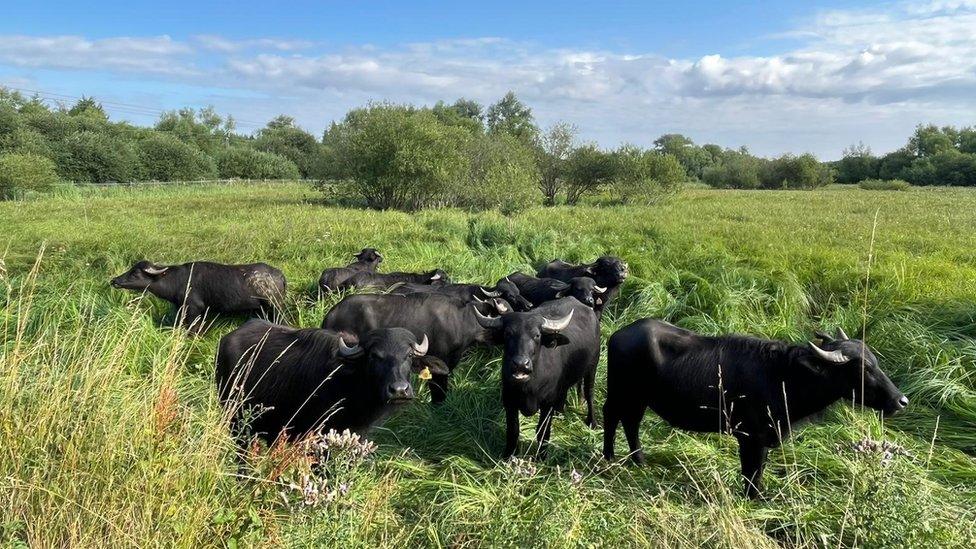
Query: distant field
x=110, y=434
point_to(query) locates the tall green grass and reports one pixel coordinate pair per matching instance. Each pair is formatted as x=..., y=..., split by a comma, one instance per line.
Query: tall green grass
x=110, y=433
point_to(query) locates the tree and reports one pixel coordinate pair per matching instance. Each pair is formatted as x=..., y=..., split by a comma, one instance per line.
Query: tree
x=795, y=172
x=99, y=158
x=163, y=157
x=857, y=164
x=931, y=140
x=646, y=177
x=694, y=159
x=291, y=142
x=552, y=151
x=503, y=174
x=242, y=162
x=87, y=106
x=893, y=164
x=511, y=116
x=463, y=113
x=281, y=121
x=20, y=173
x=588, y=168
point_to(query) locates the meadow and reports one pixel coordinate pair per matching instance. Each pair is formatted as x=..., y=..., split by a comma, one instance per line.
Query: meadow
x=110, y=432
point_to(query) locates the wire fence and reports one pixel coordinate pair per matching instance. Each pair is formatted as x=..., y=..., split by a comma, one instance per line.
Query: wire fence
x=123, y=184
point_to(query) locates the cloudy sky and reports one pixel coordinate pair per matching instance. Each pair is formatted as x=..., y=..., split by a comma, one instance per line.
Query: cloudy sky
x=774, y=76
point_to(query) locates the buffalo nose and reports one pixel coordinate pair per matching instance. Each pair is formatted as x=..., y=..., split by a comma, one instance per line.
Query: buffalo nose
x=522, y=362
x=902, y=402
x=399, y=390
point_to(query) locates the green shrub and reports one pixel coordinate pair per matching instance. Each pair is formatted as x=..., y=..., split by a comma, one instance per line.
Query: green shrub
x=795, y=172
x=398, y=157
x=23, y=173
x=884, y=185
x=503, y=175
x=247, y=163
x=645, y=177
x=165, y=158
x=735, y=171
x=99, y=158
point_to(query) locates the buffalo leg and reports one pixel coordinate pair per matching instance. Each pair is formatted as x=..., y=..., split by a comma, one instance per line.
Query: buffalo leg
x=610, y=420
x=438, y=388
x=588, y=383
x=752, y=456
x=511, y=430
x=191, y=317
x=631, y=418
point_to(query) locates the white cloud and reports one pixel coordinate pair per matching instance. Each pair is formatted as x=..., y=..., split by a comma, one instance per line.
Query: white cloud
x=858, y=74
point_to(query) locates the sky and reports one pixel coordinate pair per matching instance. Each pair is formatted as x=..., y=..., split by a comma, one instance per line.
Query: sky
x=786, y=76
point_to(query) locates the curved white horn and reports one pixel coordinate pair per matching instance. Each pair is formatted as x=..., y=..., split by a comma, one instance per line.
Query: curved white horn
x=835, y=357
x=490, y=294
x=557, y=324
x=841, y=334
x=420, y=349
x=346, y=351
x=154, y=270
x=479, y=300
x=437, y=276
x=487, y=321
x=599, y=289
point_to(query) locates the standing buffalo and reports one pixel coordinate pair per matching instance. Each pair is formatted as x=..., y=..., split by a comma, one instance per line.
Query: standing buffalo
x=450, y=323
x=540, y=290
x=277, y=380
x=333, y=278
x=753, y=389
x=201, y=287
x=608, y=272
x=504, y=289
x=547, y=351
x=365, y=279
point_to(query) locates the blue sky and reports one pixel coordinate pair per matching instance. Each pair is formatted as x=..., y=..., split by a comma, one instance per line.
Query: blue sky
x=775, y=76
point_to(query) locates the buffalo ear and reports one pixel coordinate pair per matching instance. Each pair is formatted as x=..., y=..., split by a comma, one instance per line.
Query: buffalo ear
x=553, y=340
x=432, y=363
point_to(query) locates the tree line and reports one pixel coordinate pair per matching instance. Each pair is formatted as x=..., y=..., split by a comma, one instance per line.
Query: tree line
x=460, y=154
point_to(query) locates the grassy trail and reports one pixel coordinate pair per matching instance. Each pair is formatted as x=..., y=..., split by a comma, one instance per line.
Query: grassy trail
x=110, y=432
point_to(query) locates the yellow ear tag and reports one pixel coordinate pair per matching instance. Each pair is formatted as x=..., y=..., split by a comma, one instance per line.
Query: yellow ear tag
x=424, y=374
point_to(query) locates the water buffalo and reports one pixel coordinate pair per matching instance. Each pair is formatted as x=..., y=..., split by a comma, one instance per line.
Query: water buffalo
x=365, y=279
x=449, y=322
x=470, y=292
x=333, y=278
x=202, y=287
x=547, y=351
x=608, y=272
x=278, y=381
x=753, y=389
x=541, y=290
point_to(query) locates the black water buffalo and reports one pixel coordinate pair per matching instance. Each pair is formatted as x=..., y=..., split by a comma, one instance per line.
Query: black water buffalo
x=450, y=323
x=608, y=272
x=753, y=389
x=202, y=287
x=504, y=289
x=277, y=380
x=333, y=278
x=547, y=351
x=365, y=279
x=540, y=290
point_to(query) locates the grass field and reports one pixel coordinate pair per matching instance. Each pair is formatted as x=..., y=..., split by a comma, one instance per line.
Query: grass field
x=110, y=434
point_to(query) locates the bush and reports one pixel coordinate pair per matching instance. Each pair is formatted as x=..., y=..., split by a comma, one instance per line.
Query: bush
x=293, y=143
x=503, y=175
x=398, y=157
x=645, y=177
x=99, y=158
x=884, y=185
x=587, y=169
x=734, y=171
x=23, y=173
x=165, y=158
x=247, y=163
x=795, y=172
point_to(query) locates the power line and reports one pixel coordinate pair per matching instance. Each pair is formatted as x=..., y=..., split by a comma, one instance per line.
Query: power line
x=125, y=108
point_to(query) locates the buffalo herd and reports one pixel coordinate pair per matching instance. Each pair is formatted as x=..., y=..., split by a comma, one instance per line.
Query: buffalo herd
x=278, y=381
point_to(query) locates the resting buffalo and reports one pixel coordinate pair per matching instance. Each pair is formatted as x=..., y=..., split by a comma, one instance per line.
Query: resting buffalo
x=470, y=292
x=278, y=380
x=202, y=287
x=608, y=272
x=753, y=389
x=365, y=279
x=450, y=323
x=541, y=290
x=547, y=351
x=333, y=278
